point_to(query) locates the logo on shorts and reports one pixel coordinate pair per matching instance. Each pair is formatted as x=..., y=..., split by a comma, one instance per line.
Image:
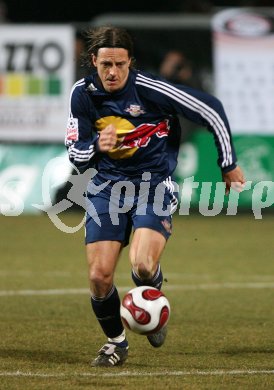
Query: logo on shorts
x=134, y=110
x=167, y=225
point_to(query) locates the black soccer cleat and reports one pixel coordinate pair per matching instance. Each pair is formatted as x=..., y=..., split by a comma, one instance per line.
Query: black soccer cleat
x=157, y=339
x=110, y=355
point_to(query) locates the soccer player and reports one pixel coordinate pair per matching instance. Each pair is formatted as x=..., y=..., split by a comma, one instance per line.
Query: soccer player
x=123, y=122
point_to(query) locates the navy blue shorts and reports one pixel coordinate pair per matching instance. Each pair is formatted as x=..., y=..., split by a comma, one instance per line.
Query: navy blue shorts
x=104, y=224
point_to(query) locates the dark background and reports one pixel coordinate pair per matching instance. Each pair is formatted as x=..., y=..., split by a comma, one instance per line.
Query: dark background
x=196, y=44
x=22, y=11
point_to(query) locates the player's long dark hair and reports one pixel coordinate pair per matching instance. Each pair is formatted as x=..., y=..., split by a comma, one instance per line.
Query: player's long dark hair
x=107, y=36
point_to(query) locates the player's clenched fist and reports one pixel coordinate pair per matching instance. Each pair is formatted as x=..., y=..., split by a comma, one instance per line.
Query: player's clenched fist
x=107, y=138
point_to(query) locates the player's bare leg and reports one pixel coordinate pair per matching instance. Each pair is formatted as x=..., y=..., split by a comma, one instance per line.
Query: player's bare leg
x=145, y=252
x=102, y=257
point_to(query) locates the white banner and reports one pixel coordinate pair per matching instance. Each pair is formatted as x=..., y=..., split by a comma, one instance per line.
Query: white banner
x=244, y=68
x=36, y=75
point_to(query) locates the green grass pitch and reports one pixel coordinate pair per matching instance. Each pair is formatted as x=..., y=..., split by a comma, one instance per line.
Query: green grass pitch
x=220, y=284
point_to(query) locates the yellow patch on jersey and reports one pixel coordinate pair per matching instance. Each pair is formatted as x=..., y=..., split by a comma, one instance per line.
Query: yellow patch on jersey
x=123, y=127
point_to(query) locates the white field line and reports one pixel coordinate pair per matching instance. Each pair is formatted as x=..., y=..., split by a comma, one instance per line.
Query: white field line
x=185, y=287
x=178, y=276
x=126, y=275
x=26, y=273
x=136, y=374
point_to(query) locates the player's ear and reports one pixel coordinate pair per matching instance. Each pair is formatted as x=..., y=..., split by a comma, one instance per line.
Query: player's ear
x=94, y=60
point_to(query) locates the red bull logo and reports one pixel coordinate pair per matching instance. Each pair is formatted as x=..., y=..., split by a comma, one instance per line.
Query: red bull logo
x=141, y=135
x=131, y=138
x=135, y=110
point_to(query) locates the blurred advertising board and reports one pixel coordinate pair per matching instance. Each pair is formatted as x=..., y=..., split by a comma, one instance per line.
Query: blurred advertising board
x=31, y=175
x=36, y=75
x=200, y=180
x=243, y=47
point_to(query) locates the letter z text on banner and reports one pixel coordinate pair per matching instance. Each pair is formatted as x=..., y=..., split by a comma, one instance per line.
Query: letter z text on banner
x=36, y=74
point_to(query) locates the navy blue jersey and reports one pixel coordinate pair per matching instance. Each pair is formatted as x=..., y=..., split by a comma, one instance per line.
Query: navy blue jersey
x=145, y=114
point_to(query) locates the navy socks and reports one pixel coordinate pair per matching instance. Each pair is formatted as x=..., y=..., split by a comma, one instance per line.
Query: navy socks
x=107, y=311
x=156, y=281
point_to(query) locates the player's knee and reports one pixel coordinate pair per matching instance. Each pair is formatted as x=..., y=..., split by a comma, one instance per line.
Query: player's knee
x=100, y=280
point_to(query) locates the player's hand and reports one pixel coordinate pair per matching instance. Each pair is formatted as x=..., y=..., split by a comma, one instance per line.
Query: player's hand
x=234, y=179
x=107, y=138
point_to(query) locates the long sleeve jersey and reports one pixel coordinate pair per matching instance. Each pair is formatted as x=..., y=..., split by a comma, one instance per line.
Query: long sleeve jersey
x=145, y=115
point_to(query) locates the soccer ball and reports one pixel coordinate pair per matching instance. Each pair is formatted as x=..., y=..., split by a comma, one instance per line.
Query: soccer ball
x=144, y=310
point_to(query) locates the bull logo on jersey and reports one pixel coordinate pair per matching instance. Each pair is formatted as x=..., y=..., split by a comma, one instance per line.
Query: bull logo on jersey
x=134, y=110
x=131, y=138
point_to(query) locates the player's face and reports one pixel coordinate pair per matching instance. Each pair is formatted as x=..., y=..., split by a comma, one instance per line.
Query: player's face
x=113, y=67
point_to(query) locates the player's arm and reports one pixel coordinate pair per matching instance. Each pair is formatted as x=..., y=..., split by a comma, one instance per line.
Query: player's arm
x=81, y=137
x=199, y=107
x=207, y=110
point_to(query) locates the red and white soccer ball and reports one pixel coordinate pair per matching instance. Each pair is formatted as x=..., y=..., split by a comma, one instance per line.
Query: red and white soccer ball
x=145, y=310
